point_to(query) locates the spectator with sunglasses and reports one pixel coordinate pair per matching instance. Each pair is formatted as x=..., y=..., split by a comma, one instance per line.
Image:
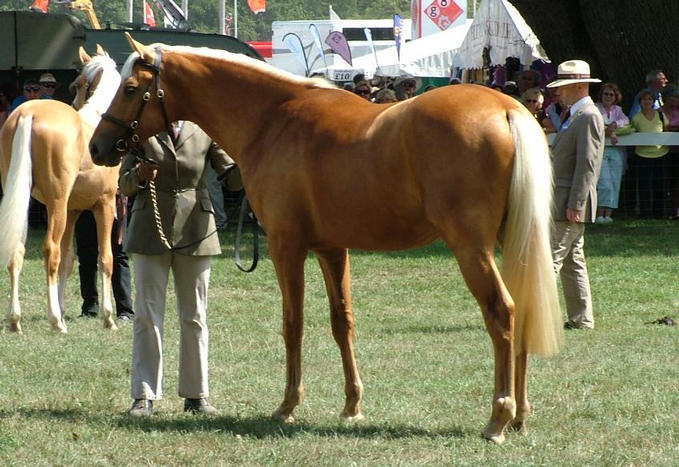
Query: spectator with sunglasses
x=48, y=84
x=32, y=90
x=532, y=99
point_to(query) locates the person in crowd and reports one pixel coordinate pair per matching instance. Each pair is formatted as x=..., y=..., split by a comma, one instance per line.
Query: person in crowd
x=650, y=160
x=48, y=85
x=363, y=89
x=179, y=171
x=613, y=164
x=455, y=80
x=405, y=88
x=87, y=250
x=555, y=113
x=533, y=98
x=528, y=79
x=577, y=151
x=32, y=90
x=670, y=111
x=4, y=104
x=655, y=82
x=385, y=95
x=511, y=89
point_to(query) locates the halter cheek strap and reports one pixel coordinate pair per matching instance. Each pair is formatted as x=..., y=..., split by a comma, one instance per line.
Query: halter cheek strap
x=131, y=135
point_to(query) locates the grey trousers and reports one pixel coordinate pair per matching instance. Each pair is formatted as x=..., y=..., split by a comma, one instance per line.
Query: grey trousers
x=568, y=241
x=191, y=278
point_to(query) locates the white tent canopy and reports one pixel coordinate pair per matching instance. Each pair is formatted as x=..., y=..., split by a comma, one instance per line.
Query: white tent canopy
x=499, y=26
x=429, y=56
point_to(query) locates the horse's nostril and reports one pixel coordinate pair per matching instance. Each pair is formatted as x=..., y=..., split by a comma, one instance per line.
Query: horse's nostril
x=93, y=149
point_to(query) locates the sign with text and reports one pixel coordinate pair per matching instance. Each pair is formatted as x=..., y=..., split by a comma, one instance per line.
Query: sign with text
x=432, y=16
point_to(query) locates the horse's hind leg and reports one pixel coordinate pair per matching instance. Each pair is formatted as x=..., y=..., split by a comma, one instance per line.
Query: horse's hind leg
x=104, y=219
x=289, y=262
x=483, y=279
x=14, y=267
x=521, y=383
x=335, y=267
x=56, y=223
x=67, y=258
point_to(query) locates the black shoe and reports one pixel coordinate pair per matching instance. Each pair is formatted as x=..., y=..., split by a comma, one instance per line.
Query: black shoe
x=125, y=317
x=90, y=310
x=141, y=408
x=199, y=406
x=572, y=325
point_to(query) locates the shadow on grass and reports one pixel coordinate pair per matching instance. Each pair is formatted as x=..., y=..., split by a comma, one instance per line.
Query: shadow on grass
x=434, y=329
x=259, y=427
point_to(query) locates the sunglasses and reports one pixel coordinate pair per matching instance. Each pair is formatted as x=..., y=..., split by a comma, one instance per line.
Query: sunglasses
x=608, y=94
x=48, y=85
x=32, y=88
x=362, y=91
x=532, y=101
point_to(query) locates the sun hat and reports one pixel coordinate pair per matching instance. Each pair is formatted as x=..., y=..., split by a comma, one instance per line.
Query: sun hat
x=571, y=72
x=47, y=78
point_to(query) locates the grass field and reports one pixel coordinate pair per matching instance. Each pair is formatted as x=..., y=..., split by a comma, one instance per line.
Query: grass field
x=611, y=397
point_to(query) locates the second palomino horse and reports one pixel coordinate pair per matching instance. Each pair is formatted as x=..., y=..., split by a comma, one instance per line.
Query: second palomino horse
x=326, y=171
x=44, y=153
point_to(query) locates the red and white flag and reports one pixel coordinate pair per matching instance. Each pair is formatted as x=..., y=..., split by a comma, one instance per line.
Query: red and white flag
x=42, y=6
x=257, y=6
x=149, y=18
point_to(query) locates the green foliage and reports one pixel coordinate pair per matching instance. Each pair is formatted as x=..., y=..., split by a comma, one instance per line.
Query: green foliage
x=609, y=398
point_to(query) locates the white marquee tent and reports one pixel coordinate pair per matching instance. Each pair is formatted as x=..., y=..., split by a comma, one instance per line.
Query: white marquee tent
x=499, y=26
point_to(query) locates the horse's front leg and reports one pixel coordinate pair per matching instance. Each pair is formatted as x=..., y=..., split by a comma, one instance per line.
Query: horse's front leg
x=104, y=219
x=14, y=268
x=337, y=275
x=289, y=263
x=56, y=224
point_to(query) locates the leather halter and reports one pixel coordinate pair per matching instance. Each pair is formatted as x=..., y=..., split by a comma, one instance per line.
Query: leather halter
x=131, y=135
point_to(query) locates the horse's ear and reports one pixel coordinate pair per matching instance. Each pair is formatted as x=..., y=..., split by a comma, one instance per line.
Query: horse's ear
x=146, y=53
x=100, y=50
x=84, y=56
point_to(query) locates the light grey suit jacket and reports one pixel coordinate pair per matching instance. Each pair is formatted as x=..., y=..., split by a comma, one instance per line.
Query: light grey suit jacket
x=577, y=153
x=183, y=200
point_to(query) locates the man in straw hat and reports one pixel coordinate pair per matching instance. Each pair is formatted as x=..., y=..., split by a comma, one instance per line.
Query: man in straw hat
x=577, y=152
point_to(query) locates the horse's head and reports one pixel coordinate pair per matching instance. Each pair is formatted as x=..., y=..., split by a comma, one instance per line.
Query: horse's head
x=137, y=111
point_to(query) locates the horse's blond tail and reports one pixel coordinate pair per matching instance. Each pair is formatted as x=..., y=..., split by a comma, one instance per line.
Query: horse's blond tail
x=17, y=192
x=527, y=258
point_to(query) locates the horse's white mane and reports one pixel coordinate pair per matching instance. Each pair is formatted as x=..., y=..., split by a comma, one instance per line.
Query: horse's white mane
x=103, y=95
x=244, y=60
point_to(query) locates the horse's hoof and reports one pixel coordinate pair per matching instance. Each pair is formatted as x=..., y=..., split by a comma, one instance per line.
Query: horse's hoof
x=282, y=417
x=15, y=327
x=110, y=324
x=495, y=438
x=519, y=426
x=352, y=418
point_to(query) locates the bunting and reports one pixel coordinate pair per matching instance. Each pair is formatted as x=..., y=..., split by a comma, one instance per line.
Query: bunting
x=338, y=44
x=257, y=6
x=149, y=17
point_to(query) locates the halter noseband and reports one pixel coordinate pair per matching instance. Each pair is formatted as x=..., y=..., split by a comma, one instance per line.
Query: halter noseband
x=131, y=135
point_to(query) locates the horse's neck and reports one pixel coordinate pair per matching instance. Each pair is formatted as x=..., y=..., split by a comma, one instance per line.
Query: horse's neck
x=233, y=104
x=99, y=101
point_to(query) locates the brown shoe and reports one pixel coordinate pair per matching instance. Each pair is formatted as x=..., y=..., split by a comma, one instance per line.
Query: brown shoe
x=141, y=408
x=199, y=406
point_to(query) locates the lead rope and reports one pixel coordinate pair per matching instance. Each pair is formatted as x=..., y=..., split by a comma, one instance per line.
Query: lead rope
x=156, y=215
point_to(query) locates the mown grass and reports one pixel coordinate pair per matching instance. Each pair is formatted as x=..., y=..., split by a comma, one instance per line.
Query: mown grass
x=611, y=397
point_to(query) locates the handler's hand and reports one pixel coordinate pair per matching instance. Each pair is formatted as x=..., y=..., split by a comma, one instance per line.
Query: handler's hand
x=572, y=215
x=147, y=171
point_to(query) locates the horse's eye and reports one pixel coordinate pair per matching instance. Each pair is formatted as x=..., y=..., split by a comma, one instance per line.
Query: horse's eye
x=129, y=90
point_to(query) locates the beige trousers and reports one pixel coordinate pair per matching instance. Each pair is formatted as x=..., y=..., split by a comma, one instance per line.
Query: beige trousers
x=191, y=280
x=568, y=241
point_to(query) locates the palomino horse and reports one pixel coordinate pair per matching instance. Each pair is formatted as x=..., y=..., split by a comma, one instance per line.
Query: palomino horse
x=44, y=152
x=326, y=170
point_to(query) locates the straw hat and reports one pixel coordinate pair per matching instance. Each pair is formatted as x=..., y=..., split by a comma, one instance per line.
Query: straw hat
x=571, y=72
x=47, y=78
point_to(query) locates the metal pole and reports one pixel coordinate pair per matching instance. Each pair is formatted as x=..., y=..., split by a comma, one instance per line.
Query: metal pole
x=130, y=8
x=185, y=8
x=222, y=17
x=235, y=18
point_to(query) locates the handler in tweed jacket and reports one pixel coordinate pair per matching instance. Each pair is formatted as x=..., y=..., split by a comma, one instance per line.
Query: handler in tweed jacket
x=577, y=152
x=180, y=175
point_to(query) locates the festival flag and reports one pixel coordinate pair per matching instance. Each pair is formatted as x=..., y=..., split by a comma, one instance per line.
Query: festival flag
x=294, y=44
x=398, y=34
x=315, y=33
x=338, y=44
x=41, y=6
x=173, y=16
x=257, y=6
x=369, y=37
x=149, y=18
x=333, y=16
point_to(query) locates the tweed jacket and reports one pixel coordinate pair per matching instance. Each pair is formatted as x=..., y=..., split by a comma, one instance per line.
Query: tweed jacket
x=577, y=152
x=181, y=186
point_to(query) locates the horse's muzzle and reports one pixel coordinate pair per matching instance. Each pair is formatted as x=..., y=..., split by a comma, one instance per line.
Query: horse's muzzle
x=100, y=156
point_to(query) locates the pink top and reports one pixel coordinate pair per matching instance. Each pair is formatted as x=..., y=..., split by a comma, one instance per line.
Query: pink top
x=614, y=115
